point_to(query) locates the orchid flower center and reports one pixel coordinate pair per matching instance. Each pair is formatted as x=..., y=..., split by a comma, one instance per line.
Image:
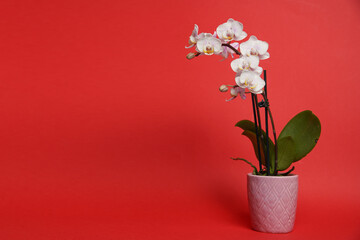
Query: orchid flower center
x=244, y=65
x=253, y=85
x=209, y=49
x=241, y=66
x=254, y=52
x=229, y=35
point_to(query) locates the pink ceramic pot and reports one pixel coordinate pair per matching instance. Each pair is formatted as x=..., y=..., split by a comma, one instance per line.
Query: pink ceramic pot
x=272, y=202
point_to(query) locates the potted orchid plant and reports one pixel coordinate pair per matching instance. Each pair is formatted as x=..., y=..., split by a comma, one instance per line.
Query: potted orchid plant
x=272, y=189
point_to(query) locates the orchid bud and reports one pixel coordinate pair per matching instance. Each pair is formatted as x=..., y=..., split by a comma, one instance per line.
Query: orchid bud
x=223, y=88
x=191, y=55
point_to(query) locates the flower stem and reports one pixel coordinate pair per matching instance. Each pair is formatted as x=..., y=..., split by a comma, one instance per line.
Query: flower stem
x=275, y=141
x=274, y=133
x=267, y=126
x=267, y=163
x=256, y=130
x=231, y=47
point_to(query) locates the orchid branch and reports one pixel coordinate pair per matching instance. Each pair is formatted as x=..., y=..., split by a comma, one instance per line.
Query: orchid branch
x=256, y=128
x=274, y=133
x=231, y=47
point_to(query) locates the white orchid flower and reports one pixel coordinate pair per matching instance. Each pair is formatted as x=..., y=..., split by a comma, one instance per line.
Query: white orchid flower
x=246, y=63
x=226, y=51
x=209, y=45
x=194, y=37
x=251, y=81
x=231, y=30
x=256, y=47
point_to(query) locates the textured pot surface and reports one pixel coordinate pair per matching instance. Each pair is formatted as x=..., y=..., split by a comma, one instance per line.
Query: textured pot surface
x=272, y=202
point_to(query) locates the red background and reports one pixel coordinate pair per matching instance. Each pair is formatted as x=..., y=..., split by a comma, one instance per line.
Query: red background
x=108, y=132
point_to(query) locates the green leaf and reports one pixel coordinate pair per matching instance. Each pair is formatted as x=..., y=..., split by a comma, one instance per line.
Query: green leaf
x=246, y=125
x=286, y=153
x=249, y=127
x=242, y=159
x=287, y=173
x=252, y=136
x=305, y=129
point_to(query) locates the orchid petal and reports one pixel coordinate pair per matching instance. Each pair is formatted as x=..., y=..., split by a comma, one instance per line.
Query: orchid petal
x=207, y=35
x=257, y=85
x=264, y=56
x=241, y=36
x=209, y=45
x=194, y=34
x=241, y=92
x=253, y=38
x=253, y=61
x=236, y=26
x=261, y=47
x=238, y=80
x=228, y=100
x=195, y=31
x=245, y=78
x=250, y=80
x=233, y=92
x=218, y=48
x=231, y=30
x=229, y=50
x=258, y=70
x=245, y=63
x=225, y=53
x=235, y=64
x=245, y=48
x=260, y=85
x=201, y=35
x=255, y=47
x=243, y=95
x=235, y=45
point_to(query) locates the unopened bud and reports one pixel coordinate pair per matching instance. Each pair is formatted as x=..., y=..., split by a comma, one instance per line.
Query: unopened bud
x=223, y=88
x=191, y=55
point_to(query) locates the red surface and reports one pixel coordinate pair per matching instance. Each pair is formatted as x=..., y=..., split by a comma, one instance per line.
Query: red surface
x=108, y=132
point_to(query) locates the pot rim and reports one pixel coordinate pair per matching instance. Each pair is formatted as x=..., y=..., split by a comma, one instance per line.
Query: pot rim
x=261, y=176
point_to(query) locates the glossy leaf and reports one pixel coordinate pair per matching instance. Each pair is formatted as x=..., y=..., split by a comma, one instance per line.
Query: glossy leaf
x=247, y=125
x=286, y=153
x=305, y=129
x=252, y=137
